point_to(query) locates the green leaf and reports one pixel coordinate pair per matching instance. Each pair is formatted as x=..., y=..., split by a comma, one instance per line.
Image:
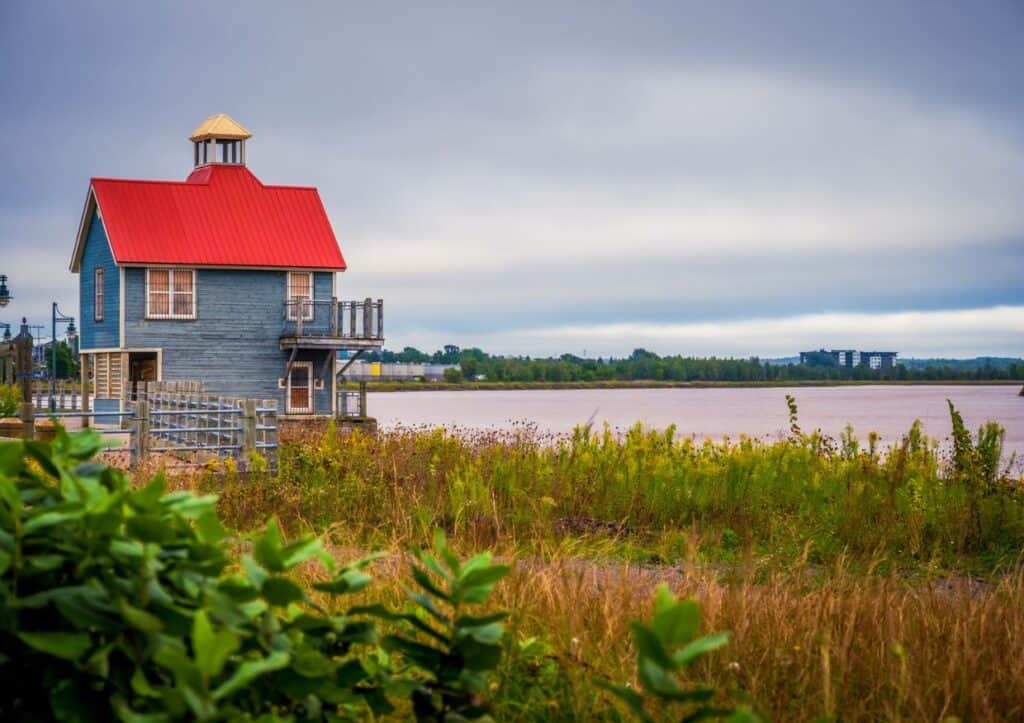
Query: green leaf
x=257, y=575
x=478, y=656
x=424, y=656
x=250, y=671
x=311, y=664
x=140, y=619
x=150, y=527
x=298, y=552
x=633, y=700
x=476, y=585
x=69, y=646
x=700, y=647
x=209, y=529
x=675, y=622
x=49, y=519
x=282, y=591
x=127, y=715
x=187, y=504
x=349, y=581
x=42, y=453
x=149, y=496
x=648, y=645
x=424, y=581
x=484, y=633
x=8, y=490
x=211, y=649
x=442, y=549
x=267, y=547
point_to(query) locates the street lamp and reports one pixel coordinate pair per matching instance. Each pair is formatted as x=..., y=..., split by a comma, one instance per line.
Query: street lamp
x=5, y=295
x=71, y=334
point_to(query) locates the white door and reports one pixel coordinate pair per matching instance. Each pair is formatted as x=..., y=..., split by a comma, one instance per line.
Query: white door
x=299, y=399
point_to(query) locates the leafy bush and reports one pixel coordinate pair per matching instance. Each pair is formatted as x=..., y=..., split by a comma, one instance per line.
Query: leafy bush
x=10, y=398
x=121, y=602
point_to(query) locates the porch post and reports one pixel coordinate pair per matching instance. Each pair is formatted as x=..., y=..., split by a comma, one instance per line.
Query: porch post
x=83, y=362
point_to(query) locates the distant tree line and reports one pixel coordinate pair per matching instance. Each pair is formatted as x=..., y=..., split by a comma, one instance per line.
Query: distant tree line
x=643, y=365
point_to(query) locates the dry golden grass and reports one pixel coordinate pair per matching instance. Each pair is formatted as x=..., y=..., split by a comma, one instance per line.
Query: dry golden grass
x=859, y=647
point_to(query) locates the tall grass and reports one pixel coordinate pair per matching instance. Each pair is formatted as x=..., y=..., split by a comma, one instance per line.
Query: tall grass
x=656, y=496
x=845, y=571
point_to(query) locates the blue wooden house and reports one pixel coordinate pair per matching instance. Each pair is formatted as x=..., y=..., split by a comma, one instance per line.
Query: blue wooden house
x=219, y=278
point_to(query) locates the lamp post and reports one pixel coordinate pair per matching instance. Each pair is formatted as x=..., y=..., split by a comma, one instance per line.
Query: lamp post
x=71, y=334
x=5, y=299
x=6, y=355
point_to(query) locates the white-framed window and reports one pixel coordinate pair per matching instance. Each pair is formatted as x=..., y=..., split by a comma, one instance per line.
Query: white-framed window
x=170, y=294
x=97, y=294
x=299, y=293
x=299, y=391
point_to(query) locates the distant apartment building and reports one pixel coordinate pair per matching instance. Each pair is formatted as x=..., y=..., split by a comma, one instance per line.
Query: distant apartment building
x=850, y=358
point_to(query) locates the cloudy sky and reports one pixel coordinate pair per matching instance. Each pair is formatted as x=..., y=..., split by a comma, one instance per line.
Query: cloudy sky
x=716, y=178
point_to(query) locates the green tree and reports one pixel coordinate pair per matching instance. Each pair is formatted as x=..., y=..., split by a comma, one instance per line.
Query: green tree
x=67, y=363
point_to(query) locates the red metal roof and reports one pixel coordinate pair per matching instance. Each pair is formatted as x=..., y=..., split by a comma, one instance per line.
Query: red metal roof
x=219, y=216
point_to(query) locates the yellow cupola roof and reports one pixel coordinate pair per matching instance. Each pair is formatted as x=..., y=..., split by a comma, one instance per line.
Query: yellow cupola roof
x=220, y=126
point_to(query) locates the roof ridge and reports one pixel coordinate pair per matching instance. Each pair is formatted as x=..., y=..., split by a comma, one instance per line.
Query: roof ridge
x=167, y=181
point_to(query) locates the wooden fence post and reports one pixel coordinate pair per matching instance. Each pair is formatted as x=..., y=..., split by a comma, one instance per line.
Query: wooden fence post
x=334, y=316
x=248, y=433
x=141, y=448
x=28, y=423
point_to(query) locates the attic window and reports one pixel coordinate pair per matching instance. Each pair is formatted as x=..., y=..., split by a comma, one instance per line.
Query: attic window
x=300, y=295
x=170, y=294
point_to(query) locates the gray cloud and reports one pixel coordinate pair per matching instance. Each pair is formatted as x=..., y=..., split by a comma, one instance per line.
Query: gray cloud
x=495, y=173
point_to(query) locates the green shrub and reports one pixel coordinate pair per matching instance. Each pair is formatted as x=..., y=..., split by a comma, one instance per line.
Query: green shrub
x=122, y=603
x=10, y=398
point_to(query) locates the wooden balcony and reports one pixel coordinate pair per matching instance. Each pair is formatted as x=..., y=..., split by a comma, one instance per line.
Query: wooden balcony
x=333, y=324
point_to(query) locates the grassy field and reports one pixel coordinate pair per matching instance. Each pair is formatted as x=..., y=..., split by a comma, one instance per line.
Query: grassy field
x=858, y=583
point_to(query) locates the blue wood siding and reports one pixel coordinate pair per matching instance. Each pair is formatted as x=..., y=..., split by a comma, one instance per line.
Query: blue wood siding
x=232, y=345
x=104, y=334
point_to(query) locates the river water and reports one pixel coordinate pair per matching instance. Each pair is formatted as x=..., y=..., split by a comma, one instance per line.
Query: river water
x=716, y=412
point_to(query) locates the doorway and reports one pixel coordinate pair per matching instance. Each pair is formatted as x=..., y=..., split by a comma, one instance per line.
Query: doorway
x=299, y=394
x=142, y=367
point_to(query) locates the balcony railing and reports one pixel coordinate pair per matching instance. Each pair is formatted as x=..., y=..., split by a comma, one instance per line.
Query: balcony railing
x=352, y=404
x=334, y=320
